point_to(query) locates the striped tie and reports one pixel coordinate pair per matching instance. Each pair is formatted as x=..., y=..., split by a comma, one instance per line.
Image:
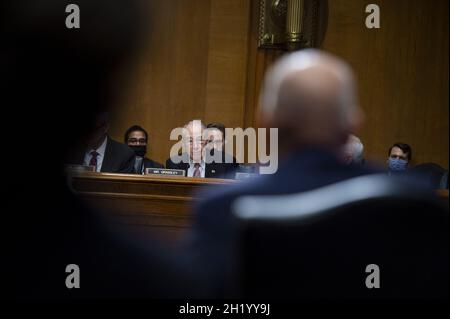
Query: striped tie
x=197, y=170
x=93, y=161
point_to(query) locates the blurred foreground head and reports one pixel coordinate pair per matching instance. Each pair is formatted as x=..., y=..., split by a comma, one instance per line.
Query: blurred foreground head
x=60, y=78
x=310, y=96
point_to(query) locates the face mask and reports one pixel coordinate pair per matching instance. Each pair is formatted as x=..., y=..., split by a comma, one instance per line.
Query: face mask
x=397, y=164
x=139, y=150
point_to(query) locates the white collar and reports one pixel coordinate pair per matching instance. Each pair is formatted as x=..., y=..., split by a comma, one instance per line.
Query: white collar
x=192, y=164
x=101, y=149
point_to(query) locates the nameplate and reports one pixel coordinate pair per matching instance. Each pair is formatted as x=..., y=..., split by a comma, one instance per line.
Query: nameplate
x=241, y=176
x=79, y=168
x=164, y=171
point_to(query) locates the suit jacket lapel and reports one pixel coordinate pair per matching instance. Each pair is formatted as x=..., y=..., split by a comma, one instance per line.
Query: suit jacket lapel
x=80, y=157
x=106, y=164
x=185, y=167
x=184, y=164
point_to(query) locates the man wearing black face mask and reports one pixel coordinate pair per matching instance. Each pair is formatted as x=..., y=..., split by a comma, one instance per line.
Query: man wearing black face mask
x=136, y=138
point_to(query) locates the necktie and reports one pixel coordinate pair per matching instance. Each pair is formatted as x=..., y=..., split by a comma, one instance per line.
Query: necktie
x=197, y=170
x=93, y=161
x=139, y=165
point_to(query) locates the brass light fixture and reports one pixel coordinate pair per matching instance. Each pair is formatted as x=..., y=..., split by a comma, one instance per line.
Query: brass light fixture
x=292, y=24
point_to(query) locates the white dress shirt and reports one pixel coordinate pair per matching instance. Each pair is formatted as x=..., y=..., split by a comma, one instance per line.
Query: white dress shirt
x=191, y=169
x=100, y=156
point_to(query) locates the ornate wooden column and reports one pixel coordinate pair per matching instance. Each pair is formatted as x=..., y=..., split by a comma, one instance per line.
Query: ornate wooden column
x=292, y=24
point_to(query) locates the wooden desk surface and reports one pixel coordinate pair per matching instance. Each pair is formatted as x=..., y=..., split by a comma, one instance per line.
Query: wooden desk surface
x=145, y=193
x=142, y=184
x=163, y=203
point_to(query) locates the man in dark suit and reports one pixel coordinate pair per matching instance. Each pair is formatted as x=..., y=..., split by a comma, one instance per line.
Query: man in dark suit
x=137, y=139
x=104, y=153
x=199, y=159
x=309, y=96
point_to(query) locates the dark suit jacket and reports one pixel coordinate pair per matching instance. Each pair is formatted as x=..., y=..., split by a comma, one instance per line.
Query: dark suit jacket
x=142, y=163
x=119, y=158
x=214, y=232
x=212, y=170
x=149, y=163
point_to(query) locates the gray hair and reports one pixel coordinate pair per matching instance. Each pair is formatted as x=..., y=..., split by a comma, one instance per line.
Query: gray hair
x=355, y=147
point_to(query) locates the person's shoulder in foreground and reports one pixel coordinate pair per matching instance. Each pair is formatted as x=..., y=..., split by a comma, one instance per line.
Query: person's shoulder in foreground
x=304, y=170
x=215, y=228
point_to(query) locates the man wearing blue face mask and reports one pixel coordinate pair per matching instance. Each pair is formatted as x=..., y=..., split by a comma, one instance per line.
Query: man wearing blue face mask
x=399, y=158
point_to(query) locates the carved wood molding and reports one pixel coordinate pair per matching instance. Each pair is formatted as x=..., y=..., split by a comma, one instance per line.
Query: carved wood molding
x=292, y=24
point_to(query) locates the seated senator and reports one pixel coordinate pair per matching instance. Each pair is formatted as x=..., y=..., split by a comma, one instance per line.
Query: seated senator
x=137, y=139
x=199, y=158
x=102, y=152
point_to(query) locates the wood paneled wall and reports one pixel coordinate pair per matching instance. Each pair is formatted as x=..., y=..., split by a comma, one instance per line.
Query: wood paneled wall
x=402, y=70
x=202, y=63
x=195, y=67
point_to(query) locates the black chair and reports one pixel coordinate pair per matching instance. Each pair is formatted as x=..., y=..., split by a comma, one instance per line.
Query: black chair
x=318, y=244
x=430, y=174
x=443, y=184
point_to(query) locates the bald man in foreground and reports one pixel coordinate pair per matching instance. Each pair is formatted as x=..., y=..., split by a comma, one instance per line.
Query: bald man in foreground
x=310, y=97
